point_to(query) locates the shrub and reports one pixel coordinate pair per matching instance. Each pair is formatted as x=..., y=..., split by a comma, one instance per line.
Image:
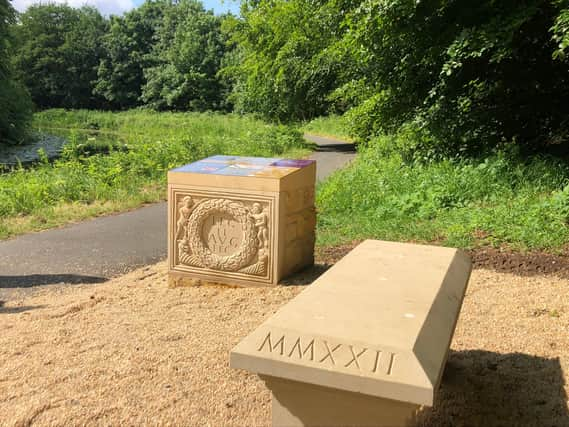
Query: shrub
x=469, y=74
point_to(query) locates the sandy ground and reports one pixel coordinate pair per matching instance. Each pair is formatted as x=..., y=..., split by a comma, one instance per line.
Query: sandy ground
x=135, y=352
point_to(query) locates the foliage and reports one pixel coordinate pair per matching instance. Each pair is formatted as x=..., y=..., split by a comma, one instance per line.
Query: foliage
x=127, y=44
x=122, y=158
x=466, y=76
x=164, y=54
x=57, y=54
x=500, y=200
x=332, y=126
x=187, y=57
x=287, y=62
x=561, y=31
x=15, y=106
x=470, y=74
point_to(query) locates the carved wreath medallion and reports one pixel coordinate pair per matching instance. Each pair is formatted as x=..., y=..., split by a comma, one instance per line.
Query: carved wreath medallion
x=243, y=255
x=247, y=237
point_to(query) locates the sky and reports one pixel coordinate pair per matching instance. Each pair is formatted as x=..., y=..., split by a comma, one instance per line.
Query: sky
x=117, y=7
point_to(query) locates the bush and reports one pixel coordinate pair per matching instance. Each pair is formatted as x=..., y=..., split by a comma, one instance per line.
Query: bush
x=472, y=75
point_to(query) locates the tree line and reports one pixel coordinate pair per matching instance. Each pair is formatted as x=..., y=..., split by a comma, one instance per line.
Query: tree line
x=451, y=77
x=163, y=54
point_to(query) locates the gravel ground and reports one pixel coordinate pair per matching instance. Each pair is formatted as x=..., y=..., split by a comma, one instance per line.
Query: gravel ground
x=134, y=352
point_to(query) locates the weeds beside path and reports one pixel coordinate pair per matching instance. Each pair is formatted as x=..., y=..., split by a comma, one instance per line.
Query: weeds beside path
x=504, y=200
x=118, y=161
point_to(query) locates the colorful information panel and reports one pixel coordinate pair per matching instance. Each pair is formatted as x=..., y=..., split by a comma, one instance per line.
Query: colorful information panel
x=245, y=166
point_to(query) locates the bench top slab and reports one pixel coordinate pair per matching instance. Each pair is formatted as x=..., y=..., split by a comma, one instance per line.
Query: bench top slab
x=379, y=322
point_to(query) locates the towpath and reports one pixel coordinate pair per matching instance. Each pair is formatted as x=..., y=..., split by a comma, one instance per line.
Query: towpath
x=95, y=250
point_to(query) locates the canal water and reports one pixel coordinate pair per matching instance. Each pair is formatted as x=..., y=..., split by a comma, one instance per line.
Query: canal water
x=12, y=155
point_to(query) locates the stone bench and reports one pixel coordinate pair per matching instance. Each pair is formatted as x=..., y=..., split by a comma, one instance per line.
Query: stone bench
x=366, y=343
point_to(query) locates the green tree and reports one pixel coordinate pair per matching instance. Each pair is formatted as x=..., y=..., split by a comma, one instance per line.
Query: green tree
x=15, y=104
x=288, y=59
x=58, y=52
x=128, y=44
x=467, y=75
x=458, y=76
x=187, y=58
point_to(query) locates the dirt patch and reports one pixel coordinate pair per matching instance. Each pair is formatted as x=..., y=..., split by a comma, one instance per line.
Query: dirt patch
x=533, y=263
x=528, y=264
x=134, y=352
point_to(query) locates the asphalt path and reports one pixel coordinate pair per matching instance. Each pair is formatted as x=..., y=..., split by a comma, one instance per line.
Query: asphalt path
x=95, y=250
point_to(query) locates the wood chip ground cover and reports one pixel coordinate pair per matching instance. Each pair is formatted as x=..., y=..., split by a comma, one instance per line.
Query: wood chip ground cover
x=134, y=352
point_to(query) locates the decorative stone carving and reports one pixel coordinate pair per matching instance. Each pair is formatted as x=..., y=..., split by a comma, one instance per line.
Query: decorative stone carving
x=228, y=219
x=261, y=221
x=184, y=212
x=223, y=234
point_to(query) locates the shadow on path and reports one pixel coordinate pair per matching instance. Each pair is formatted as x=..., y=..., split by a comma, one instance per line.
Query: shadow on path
x=328, y=144
x=482, y=388
x=336, y=148
x=47, y=279
x=306, y=276
x=330, y=154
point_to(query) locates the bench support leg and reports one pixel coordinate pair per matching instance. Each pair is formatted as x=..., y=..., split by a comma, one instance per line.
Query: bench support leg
x=300, y=404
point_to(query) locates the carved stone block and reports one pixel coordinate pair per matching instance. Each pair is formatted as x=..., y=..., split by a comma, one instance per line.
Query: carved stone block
x=366, y=343
x=240, y=220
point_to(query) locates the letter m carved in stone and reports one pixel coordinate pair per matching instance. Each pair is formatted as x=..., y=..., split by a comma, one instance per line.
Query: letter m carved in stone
x=279, y=344
x=298, y=347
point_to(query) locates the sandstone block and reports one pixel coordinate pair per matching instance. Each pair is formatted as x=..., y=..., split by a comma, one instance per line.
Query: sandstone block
x=367, y=342
x=240, y=220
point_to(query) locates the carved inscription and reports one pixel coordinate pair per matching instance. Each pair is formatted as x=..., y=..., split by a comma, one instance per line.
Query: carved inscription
x=329, y=352
x=223, y=234
x=322, y=351
x=309, y=349
x=355, y=357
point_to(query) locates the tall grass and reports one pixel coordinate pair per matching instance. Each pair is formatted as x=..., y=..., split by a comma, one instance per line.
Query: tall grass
x=502, y=200
x=119, y=160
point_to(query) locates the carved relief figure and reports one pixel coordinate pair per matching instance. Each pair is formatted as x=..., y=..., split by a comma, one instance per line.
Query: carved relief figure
x=186, y=206
x=261, y=222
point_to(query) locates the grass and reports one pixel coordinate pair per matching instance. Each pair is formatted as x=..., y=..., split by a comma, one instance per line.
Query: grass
x=503, y=200
x=118, y=161
x=331, y=126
